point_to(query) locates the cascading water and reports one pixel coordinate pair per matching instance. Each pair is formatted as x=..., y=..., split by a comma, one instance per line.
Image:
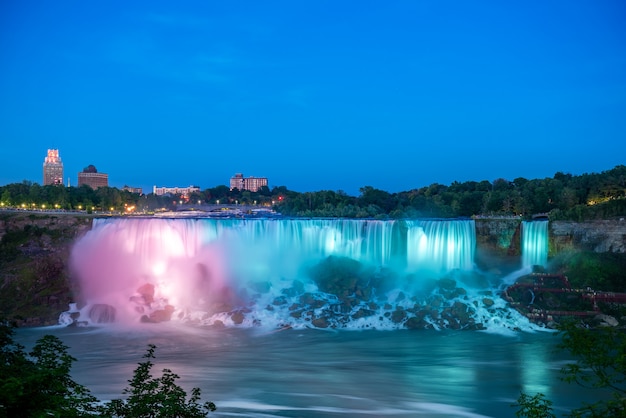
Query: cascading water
x=441, y=245
x=266, y=272
x=534, y=244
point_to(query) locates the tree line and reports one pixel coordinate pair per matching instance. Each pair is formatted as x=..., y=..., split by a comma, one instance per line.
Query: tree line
x=563, y=197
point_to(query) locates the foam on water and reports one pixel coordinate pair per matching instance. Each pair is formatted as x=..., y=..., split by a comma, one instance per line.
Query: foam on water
x=256, y=273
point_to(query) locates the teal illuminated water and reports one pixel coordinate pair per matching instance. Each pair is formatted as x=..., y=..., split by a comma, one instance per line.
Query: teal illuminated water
x=534, y=243
x=312, y=373
x=360, y=366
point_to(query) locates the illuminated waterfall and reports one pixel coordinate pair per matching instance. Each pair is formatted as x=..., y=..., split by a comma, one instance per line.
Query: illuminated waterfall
x=441, y=245
x=157, y=268
x=534, y=243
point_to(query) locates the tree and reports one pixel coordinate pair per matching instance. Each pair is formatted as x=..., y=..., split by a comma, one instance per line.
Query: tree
x=6, y=198
x=534, y=406
x=600, y=364
x=40, y=385
x=160, y=397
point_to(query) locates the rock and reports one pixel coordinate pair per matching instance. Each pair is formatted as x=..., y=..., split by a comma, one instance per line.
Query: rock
x=398, y=315
x=147, y=292
x=320, y=323
x=308, y=299
x=280, y=300
x=237, y=317
x=415, y=323
x=606, y=320
x=342, y=277
x=362, y=313
x=162, y=315
x=488, y=302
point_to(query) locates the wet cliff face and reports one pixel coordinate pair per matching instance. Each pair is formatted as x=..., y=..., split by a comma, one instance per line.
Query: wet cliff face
x=602, y=236
x=502, y=237
x=34, y=278
x=499, y=236
x=498, y=241
x=498, y=244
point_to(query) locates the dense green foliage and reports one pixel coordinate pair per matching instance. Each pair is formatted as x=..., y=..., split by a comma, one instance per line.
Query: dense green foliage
x=600, y=364
x=34, y=284
x=157, y=397
x=564, y=196
x=536, y=406
x=39, y=384
x=588, y=269
x=589, y=196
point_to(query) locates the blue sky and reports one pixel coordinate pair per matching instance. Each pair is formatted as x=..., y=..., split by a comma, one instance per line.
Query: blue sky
x=314, y=95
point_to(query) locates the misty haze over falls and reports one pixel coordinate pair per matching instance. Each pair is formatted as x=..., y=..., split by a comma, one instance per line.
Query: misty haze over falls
x=317, y=273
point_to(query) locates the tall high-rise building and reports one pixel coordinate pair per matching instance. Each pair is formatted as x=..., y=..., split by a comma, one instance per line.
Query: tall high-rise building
x=253, y=184
x=92, y=178
x=52, y=168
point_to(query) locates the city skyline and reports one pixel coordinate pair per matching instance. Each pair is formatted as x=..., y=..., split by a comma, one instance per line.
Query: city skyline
x=313, y=95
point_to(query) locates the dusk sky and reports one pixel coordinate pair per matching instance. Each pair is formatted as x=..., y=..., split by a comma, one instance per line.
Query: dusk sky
x=313, y=95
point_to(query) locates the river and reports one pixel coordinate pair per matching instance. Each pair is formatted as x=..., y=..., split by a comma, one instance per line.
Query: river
x=255, y=372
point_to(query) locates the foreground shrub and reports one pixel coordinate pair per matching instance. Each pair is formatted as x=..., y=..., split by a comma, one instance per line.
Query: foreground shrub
x=157, y=397
x=600, y=364
x=39, y=385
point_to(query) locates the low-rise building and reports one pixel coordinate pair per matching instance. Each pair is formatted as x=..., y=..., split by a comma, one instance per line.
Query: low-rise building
x=185, y=191
x=90, y=177
x=253, y=184
x=137, y=190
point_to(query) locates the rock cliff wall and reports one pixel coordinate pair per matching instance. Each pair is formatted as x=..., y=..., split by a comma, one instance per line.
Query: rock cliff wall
x=502, y=237
x=604, y=236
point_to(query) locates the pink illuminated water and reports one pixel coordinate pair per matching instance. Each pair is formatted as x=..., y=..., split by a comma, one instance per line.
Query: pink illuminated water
x=256, y=272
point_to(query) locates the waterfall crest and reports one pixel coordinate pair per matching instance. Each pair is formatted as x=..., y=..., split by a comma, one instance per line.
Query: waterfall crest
x=534, y=244
x=341, y=273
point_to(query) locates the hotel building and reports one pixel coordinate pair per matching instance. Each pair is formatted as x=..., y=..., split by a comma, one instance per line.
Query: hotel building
x=185, y=191
x=90, y=177
x=253, y=184
x=138, y=190
x=52, y=168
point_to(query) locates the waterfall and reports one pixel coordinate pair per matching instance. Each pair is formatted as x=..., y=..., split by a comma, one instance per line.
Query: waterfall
x=209, y=269
x=534, y=243
x=438, y=245
x=441, y=245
